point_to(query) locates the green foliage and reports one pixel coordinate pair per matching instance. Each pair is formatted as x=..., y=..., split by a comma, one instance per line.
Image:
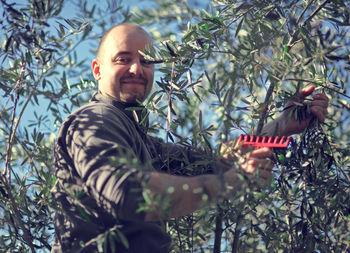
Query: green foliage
x=40, y=71
x=228, y=67
x=245, y=60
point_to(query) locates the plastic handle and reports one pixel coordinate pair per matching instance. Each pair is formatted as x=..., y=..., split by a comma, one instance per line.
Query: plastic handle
x=264, y=141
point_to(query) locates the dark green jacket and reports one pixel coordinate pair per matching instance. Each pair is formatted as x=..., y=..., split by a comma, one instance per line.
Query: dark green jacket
x=102, y=161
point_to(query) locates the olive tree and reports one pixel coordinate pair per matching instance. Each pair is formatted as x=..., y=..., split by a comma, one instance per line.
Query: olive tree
x=42, y=80
x=224, y=68
x=238, y=63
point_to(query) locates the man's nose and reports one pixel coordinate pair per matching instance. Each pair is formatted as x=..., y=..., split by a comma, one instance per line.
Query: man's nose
x=136, y=68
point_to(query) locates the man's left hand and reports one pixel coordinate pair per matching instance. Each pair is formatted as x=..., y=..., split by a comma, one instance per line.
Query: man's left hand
x=318, y=109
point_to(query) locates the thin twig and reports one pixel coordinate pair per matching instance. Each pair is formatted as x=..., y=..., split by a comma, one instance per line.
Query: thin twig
x=7, y=182
x=17, y=214
x=296, y=32
x=316, y=83
x=263, y=114
x=240, y=16
x=98, y=238
x=316, y=11
x=12, y=128
x=169, y=114
x=303, y=12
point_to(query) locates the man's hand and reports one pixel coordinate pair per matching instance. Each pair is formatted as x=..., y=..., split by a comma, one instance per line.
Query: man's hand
x=287, y=124
x=258, y=161
x=257, y=164
x=318, y=108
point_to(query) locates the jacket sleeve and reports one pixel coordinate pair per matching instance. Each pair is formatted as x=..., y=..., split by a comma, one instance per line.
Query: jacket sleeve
x=103, y=146
x=184, y=160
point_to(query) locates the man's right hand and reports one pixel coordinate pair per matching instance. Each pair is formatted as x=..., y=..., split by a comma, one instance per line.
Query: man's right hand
x=257, y=164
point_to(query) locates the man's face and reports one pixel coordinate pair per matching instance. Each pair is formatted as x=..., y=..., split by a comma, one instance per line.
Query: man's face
x=122, y=72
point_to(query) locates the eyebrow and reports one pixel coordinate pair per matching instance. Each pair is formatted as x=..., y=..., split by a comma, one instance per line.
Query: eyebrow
x=121, y=53
x=124, y=53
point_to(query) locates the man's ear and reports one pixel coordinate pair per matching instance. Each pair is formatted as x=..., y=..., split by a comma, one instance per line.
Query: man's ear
x=96, y=69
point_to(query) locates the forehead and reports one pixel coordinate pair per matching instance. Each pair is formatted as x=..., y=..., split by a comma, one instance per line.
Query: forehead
x=126, y=39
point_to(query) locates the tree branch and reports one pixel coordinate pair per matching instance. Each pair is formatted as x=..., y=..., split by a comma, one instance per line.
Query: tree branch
x=218, y=231
x=7, y=181
x=316, y=11
x=303, y=12
x=237, y=233
x=13, y=128
x=296, y=32
x=263, y=114
x=319, y=84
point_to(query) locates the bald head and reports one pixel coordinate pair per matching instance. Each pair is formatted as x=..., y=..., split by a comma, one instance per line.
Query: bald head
x=119, y=29
x=121, y=70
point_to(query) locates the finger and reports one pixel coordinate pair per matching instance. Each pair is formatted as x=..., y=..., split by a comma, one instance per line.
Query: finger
x=249, y=166
x=319, y=112
x=263, y=175
x=302, y=95
x=252, y=165
x=306, y=91
x=320, y=103
x=319, y=109
x=261, y=153
x=320, y=96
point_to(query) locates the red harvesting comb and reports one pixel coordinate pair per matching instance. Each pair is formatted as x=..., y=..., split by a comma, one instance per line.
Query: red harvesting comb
x=264, y=141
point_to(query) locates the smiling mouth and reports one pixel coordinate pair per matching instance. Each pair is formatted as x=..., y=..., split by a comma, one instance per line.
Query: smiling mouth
x=134, y=81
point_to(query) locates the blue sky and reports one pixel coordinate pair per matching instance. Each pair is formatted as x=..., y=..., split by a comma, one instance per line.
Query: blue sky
x=83, y=51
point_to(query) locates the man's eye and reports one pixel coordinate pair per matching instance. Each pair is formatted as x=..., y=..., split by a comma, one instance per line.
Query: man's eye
x=121, y=60
x=147, y=62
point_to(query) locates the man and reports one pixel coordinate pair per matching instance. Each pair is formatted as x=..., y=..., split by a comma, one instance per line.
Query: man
x=106, y=165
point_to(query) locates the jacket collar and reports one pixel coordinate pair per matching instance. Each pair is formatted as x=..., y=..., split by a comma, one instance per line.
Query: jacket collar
x=135, y=115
